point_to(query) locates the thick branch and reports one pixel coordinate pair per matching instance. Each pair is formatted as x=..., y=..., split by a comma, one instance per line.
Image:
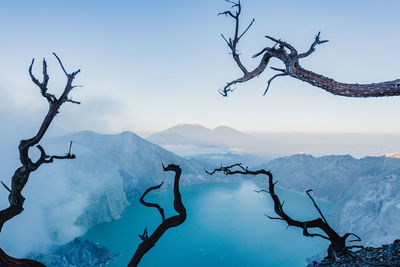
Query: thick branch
x=248, y=76
x=283, y=44
x=294, y=70
x=389, y=88
x=150, y=241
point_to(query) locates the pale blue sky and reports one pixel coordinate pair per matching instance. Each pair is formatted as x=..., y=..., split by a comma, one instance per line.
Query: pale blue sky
x=147, y=65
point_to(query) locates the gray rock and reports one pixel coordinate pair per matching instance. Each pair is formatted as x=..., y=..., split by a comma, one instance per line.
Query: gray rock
x=79, y=252
x=387, y=255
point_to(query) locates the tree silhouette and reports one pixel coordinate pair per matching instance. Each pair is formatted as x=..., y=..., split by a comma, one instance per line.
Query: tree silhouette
x=150, y=241
x=290, y=57
x=21, y=175
x=337, y=245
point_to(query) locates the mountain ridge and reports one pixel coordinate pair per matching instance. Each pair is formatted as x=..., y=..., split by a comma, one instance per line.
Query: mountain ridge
x=191, y=139
x=65, y=198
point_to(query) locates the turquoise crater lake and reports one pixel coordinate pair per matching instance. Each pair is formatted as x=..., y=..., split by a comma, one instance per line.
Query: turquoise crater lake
x=225, y=226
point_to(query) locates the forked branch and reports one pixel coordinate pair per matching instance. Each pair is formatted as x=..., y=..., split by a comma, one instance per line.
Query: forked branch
x=149, y=241
x=337, y=245
x=21, y=175
x=289, y=56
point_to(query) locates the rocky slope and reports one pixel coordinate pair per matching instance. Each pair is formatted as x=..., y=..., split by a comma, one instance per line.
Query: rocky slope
x=386, y=255
x=77, y=253
x=365, y=193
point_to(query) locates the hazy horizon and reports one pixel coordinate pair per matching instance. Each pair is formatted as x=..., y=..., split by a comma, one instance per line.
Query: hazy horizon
x=147, y=133
x=149, y=65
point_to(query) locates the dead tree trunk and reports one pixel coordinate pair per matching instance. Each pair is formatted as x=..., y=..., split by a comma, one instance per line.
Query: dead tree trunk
x=21, y=175
x=289, y=56
x=337, y=245
x=150, y=241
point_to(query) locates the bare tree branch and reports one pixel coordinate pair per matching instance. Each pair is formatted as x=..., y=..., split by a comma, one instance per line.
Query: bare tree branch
x=358, y=239
x=6, y=187
x=312, y=48
x=72, y=101
x=294, y=70
x=248, y=75
x=226, y=170
x=338, y=243
x=145, y=235
x=153, y=205
x=61, y=64
x=42, y=85
x=262, y=190
x=150, y=241
x=316, y=206
x=278, y=69
x=283, y=44
x=70, y=146
x=273, y=77
x=21, y=175
x=248, y=27
x=44, y=158
x=274, y=218
x=232, y=43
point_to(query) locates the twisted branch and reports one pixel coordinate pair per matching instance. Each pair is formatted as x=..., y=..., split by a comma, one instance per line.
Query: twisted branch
x=289, y=56
x=149, y=241
x=153, y=205
x=338, y=243
x=21, y=175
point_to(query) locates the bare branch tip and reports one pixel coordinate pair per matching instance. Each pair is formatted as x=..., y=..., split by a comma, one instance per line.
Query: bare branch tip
x=61, y=64
x=6, y=187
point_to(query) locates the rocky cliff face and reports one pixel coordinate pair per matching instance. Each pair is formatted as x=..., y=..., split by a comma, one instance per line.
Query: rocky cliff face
x=126, y=165
x=365, y=193
x=116, y=170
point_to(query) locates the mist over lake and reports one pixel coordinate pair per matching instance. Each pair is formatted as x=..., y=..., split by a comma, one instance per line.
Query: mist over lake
x=225, y=226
